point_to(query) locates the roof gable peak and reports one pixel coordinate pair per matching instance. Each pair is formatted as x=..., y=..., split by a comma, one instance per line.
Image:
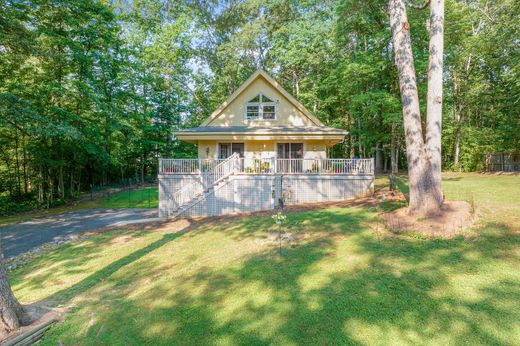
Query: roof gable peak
x=261, y=73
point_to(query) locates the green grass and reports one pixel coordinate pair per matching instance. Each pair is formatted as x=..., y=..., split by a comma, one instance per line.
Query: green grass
x=343, y=280
x=142, y=198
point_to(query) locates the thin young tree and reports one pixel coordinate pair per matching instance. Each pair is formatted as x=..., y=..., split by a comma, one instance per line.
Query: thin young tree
x=423, y=155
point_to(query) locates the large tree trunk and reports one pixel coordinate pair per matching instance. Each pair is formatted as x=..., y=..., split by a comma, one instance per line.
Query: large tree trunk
x=11, y=312
x=434, y=99
x=424, y=198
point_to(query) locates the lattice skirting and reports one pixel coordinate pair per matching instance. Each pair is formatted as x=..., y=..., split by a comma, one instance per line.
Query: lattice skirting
x=249, y=193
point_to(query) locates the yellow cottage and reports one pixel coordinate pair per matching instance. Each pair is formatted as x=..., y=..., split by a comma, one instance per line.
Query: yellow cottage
x=261, y=121
x=260, y=149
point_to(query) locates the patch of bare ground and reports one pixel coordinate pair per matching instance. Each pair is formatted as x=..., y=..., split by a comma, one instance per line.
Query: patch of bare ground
x=454, y=218
x=502, y=173
x=36, y=316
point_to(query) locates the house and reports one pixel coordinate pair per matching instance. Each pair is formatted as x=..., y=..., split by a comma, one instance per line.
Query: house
x=260, y=145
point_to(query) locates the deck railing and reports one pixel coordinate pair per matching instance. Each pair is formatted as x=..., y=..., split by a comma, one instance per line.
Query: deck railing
x=214, y=169
x=167, y=166
x=308, y=166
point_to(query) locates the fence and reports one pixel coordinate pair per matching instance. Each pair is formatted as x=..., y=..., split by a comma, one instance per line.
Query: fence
x=503, y=162
x=127, y=193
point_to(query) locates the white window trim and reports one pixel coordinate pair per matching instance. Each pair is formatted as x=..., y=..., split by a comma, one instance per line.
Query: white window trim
x=260, y=110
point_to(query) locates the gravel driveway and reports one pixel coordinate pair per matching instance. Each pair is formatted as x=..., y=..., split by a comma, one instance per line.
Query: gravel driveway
x=23, y=236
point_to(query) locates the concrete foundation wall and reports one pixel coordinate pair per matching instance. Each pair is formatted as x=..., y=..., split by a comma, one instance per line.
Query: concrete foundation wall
x=249, y=193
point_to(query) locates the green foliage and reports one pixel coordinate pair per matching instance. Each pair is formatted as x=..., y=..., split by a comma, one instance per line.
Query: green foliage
x=91, y=91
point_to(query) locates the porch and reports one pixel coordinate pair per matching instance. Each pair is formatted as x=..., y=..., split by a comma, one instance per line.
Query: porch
x=211, y=187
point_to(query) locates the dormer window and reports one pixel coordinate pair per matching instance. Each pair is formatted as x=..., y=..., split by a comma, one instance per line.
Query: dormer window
x=260, y=107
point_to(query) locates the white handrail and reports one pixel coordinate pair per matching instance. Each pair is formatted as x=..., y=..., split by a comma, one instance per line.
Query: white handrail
x=172, y=166
x=189, y=191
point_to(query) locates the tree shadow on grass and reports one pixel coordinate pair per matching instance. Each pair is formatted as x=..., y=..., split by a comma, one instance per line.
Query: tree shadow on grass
x=378, y=290
x=93, y=279
x=67, y=259
x=410, y=303
x=71, y=259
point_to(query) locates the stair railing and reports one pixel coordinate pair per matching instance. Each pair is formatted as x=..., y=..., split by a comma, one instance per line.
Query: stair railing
x=208, y=179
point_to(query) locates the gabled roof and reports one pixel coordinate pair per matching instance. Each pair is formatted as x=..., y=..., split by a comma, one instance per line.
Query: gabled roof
x=275, y=85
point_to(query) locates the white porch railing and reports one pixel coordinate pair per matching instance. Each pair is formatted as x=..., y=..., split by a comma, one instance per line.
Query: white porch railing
x=167, y=166
x=212, y=170
x=324, y=166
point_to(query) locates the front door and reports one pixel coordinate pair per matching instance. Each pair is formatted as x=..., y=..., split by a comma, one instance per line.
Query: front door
x=290, y=157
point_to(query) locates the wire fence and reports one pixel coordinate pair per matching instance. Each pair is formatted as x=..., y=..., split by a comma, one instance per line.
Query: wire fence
x=128, y=193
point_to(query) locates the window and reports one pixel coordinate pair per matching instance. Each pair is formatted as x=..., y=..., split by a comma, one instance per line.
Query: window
x=268, y=112
x=261, y=107
x=226, y=149
x=253, y=112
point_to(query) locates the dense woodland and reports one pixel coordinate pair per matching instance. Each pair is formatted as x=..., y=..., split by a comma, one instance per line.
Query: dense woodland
x=91, y=91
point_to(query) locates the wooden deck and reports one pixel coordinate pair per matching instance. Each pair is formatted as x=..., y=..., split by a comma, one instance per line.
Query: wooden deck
x=194, y=188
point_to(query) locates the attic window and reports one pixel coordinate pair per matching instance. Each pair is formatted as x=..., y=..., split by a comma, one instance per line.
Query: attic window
x=260, y=107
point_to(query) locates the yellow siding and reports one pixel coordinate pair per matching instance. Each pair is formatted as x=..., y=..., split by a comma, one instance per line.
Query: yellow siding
x=287, y=114
x=211, y=145
x=315, y=149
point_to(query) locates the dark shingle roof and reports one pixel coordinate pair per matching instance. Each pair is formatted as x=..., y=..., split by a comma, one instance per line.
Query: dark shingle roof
x=260, y=130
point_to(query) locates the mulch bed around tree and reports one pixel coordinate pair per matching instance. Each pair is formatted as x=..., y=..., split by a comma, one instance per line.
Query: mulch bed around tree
x=455, y=217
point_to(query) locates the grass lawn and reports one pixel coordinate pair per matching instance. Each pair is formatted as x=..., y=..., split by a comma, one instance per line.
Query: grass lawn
x=142, y=198
x=342, y=280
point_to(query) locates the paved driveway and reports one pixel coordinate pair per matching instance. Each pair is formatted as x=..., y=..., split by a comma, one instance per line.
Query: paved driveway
x=23, y=236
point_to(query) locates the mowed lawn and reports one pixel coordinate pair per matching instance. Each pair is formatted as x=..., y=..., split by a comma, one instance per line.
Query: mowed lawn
x=141, y=198
x=341, y=280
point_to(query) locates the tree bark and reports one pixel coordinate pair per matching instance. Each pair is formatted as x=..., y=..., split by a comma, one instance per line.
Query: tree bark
x=424, y=198
x=379, y=158
x=434, y=99
x=394, y=152
x=17, y=161
x=11, y=312
x=458, y=132
x=360, y=145
x=25, y=178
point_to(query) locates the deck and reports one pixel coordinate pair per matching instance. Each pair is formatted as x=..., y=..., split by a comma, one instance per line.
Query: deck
x=196, y=187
